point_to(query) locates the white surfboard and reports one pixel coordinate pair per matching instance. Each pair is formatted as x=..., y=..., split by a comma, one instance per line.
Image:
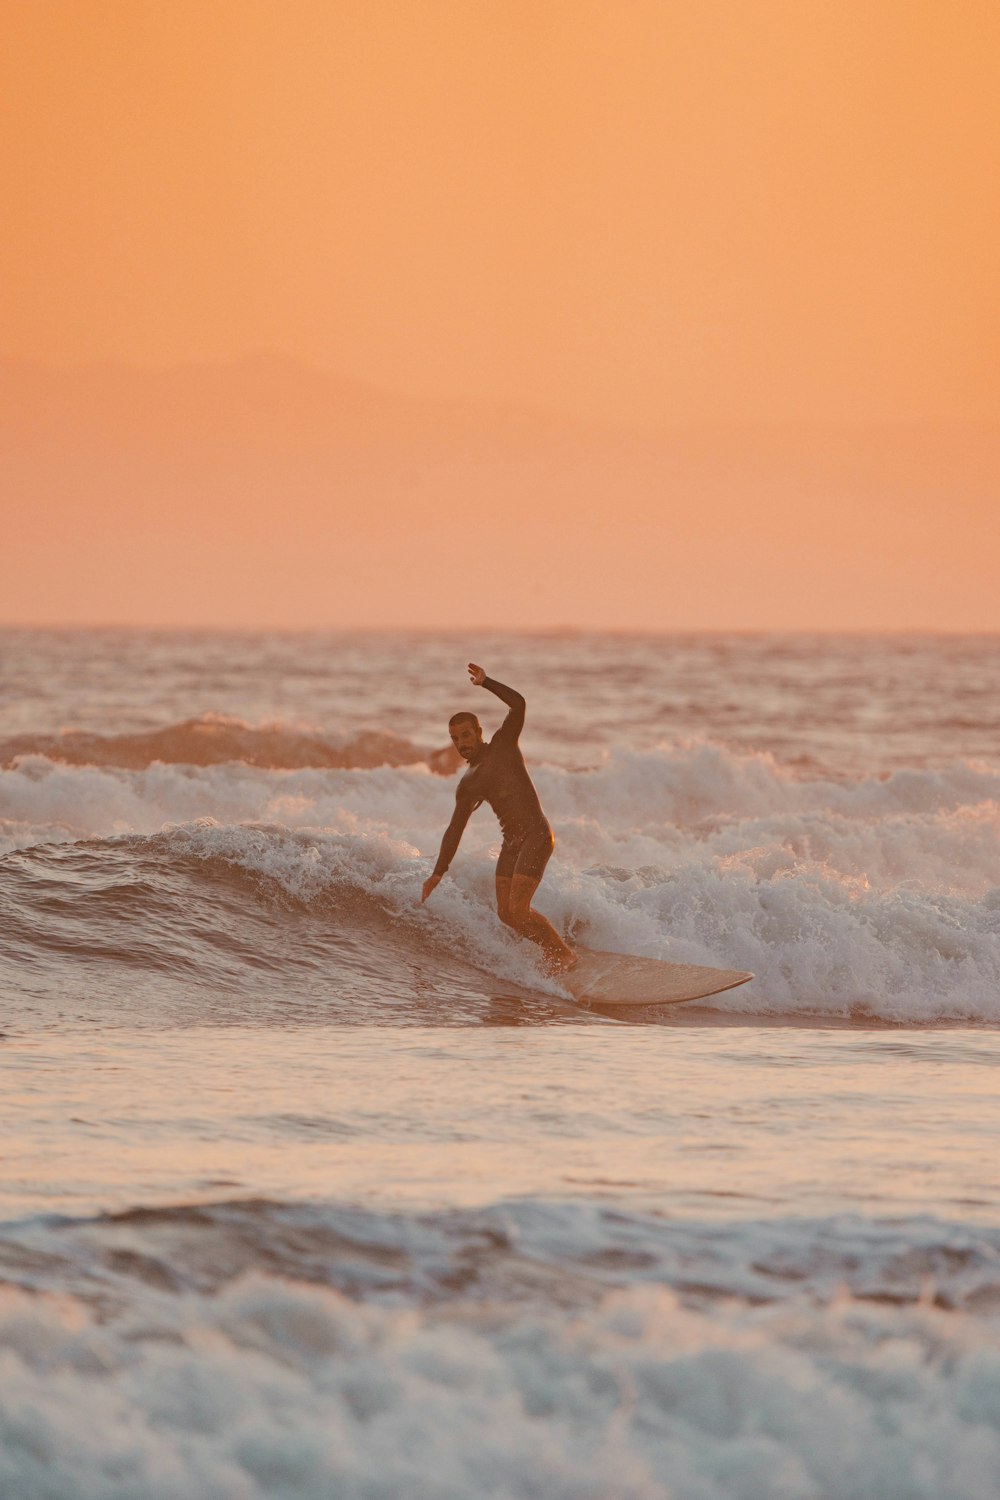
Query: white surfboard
x=623, y=979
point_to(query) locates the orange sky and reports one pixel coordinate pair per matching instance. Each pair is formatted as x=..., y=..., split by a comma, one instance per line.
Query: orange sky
x=643, y=212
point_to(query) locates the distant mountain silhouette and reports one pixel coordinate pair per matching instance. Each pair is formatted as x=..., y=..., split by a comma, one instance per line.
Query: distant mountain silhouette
x=294, y=478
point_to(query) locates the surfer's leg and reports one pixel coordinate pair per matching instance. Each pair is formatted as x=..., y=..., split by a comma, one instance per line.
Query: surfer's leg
x=531, y=924
x=519, y=870
x=505, y=868
x=523, y=921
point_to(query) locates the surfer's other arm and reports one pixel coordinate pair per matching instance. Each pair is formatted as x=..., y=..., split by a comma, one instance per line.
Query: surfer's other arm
x=464, y=808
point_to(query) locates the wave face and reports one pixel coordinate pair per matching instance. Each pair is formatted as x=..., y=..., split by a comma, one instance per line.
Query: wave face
x=847, y=898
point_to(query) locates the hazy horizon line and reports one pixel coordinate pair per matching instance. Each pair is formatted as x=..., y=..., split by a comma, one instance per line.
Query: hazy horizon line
x=110, y=627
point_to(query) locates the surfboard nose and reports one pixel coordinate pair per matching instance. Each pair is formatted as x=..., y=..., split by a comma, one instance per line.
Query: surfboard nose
x=626, y=979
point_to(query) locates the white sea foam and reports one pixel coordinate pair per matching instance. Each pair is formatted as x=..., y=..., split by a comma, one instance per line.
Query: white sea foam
x=878, y=895
x=638, y=806
x=277, y=1389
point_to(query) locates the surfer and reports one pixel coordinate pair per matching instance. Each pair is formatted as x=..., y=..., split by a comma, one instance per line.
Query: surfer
x=497, y=775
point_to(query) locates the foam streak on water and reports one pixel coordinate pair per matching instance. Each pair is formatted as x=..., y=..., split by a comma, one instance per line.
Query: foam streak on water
x=309, y=1190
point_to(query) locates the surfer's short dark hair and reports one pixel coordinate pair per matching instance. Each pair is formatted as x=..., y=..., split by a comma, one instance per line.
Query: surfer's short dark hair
x=461, y=718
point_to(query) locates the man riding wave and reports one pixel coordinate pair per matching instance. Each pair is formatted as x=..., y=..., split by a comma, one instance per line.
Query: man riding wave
x=497, y=775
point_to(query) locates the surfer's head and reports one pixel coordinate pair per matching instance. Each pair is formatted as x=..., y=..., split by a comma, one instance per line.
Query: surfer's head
x=466, y=735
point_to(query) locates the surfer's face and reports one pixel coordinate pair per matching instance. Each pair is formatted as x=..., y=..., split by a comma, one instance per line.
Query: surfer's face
x=467, y=737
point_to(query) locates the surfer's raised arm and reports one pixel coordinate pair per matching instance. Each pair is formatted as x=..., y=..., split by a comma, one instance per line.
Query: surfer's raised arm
x=514, y=722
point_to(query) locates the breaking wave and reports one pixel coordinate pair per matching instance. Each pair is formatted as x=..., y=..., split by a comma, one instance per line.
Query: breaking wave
x=214, y=739
x=873, y=898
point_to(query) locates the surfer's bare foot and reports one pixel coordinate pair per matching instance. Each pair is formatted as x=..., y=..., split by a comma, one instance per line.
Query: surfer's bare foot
x=561, y=963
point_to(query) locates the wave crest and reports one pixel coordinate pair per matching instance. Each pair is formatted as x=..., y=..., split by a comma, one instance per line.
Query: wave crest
x=214, y=739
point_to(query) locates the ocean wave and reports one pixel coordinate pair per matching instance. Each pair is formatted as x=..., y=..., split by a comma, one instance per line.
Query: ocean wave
x=246, y=925
x=521, y=1250
x=270, y=1384
x=876, y=898
x=243, y=907
x=216, y=739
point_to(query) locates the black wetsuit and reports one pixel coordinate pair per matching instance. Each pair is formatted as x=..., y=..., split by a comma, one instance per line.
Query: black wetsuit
x=500, y=778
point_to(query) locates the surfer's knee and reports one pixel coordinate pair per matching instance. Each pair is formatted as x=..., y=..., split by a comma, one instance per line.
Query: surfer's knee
x=520, y=917
x=503, y=898
x=522, y=889
x=504, y=911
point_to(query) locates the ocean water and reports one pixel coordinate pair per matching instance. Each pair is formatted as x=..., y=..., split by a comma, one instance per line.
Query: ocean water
x=309, y=1191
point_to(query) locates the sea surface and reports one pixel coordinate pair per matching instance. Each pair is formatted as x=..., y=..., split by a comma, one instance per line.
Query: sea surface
x=310, y=1192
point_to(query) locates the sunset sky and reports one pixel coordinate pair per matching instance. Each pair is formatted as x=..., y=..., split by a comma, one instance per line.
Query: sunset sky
x=742, y=216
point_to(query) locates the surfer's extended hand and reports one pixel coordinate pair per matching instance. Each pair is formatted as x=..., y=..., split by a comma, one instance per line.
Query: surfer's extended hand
x=477, y=674
x=429, y=884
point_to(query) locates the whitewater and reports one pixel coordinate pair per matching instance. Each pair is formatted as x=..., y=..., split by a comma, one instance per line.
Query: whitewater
x=312, y=1190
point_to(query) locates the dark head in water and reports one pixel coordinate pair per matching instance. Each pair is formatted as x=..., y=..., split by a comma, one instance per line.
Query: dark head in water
x=466, y=735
